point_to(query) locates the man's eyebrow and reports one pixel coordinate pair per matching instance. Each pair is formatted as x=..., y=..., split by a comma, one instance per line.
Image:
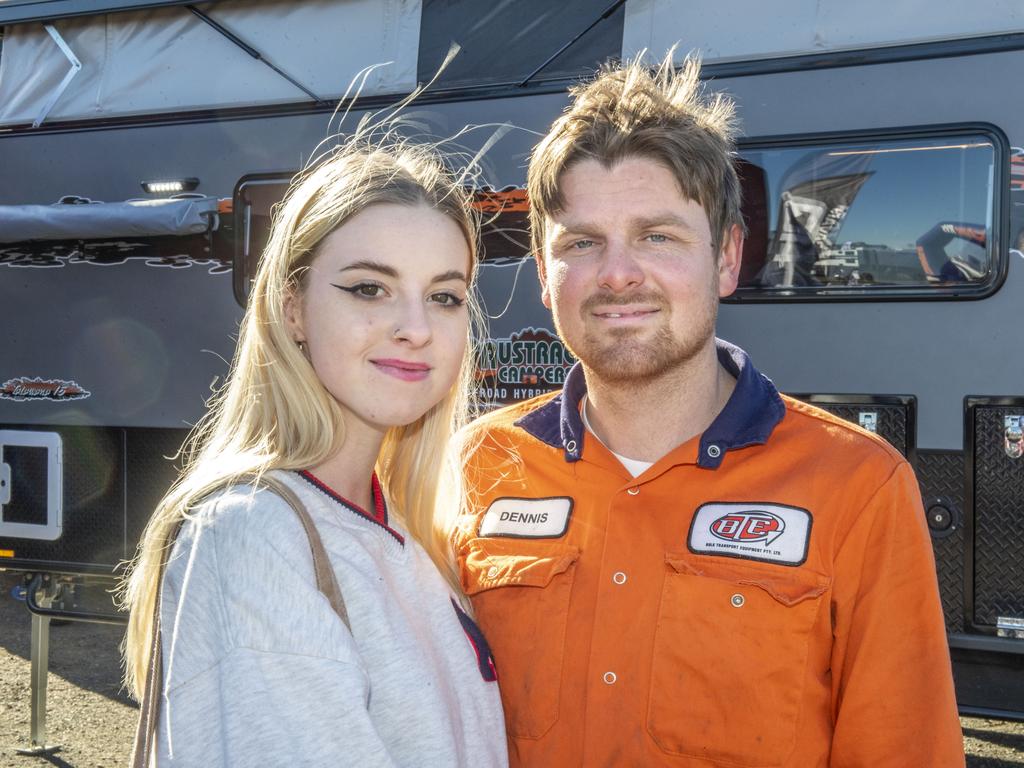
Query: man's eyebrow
x=372, y=266
x=559, y=228
x=665, y=219
x=452, y=274
x=662, y=220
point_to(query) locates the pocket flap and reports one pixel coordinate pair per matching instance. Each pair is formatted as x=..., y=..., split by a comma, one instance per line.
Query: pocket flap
x=789, y=588
x=488, y=563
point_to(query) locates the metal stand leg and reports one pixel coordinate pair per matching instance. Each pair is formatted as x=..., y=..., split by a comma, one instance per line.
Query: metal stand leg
x=40, y=656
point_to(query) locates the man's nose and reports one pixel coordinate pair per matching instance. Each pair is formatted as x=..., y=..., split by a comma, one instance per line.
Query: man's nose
x=620, y=270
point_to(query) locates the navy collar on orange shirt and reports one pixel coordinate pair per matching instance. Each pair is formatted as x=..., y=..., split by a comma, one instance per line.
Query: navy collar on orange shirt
x=750, y=415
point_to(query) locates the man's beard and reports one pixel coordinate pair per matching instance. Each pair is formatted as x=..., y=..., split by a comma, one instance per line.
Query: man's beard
x=622, y=356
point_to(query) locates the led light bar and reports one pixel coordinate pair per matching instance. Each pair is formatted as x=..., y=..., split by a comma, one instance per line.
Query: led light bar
x=170, y=186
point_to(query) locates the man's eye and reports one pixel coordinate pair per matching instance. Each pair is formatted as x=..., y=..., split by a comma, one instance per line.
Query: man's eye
x=446, y=299
x=579, y=245
x=656, y=237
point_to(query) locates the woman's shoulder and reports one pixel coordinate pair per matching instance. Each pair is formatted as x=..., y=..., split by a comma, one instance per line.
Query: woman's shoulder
x=243, y=516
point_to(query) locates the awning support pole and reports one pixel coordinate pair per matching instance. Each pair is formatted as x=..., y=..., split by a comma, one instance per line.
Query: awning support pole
x=76, y=67
x=253, y=52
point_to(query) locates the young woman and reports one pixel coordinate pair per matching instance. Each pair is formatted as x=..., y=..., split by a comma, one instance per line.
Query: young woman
x=351, y=372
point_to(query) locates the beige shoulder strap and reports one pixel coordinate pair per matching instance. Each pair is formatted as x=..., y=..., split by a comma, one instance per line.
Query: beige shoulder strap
x=326, y=582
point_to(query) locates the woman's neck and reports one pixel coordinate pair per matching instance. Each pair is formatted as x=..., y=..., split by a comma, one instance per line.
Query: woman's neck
x=348, y=471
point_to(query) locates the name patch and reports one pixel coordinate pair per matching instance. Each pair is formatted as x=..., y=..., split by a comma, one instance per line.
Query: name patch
x=527, y=518
x=772, y=533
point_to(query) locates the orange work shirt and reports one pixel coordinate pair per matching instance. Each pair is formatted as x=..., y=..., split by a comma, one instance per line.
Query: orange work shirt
x=764, y=595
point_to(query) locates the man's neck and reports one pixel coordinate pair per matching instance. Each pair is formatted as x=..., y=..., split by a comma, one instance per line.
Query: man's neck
x=645, y=420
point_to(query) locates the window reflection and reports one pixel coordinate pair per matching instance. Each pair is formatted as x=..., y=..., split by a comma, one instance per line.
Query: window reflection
x=895, y=214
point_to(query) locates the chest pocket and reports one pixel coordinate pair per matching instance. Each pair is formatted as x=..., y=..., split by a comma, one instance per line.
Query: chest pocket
x=730, y=661
x=521, y=599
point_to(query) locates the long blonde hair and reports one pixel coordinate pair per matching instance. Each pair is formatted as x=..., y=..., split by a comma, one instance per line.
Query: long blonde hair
x=273, y=412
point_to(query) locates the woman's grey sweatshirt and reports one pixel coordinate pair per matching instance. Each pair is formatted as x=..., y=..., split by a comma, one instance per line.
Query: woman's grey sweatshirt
x=259, y=670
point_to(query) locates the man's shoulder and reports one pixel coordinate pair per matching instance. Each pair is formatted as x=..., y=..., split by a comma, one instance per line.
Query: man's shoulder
x=820, y=430
x=505, y=420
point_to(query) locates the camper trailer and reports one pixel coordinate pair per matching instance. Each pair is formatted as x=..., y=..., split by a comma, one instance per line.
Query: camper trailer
x=143, y=146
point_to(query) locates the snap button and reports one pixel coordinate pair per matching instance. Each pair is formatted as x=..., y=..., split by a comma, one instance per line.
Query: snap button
x=714, y=451
x=571, y=446
x=492, y=572
x=619, y=577
x=738, y=600
x=610, y=678
x=633, y=491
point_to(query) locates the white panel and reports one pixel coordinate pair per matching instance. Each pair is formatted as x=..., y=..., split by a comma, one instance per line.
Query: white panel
x=168, y=59
x=54, y=485
x=751, y=29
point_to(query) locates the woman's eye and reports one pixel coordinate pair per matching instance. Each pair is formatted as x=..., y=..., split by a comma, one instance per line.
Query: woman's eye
x=446, y=299
x=362, y=290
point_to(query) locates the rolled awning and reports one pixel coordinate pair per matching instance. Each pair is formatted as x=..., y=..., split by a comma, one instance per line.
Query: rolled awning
x=91, y=221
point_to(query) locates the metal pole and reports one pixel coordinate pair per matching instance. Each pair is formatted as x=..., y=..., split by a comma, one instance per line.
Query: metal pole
x=40, y=656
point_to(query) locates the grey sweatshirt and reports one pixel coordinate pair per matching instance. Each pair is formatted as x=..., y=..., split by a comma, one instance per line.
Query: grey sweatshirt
x=259, y=670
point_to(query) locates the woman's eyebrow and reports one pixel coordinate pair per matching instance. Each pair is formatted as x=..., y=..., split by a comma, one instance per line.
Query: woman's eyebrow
x=452, y=274
x=372, y=266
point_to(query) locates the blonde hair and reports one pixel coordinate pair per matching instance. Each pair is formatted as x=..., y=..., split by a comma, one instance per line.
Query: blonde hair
x=631, y=111
x=273, y=412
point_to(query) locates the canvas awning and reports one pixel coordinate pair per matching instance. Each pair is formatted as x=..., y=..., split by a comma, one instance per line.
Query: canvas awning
x=91, y=221
x=169, y=59
x=754, y=29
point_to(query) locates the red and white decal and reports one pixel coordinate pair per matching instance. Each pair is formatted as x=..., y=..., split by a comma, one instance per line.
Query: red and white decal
x=749, y=526
x=773, y=533
x=24, y=388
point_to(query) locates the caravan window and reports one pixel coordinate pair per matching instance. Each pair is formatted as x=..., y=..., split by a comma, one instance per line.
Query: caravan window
x=905, y=217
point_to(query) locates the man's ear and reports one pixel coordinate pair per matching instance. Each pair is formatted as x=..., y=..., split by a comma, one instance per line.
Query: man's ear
x=730, y=256
x=293, y=314
x=542, y=275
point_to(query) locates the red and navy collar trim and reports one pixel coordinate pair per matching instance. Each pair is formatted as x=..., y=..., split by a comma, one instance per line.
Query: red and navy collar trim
x=380, y=507
x=749, y=417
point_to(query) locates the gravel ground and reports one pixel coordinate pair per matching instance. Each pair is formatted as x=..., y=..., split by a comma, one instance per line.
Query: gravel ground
x=93, y=720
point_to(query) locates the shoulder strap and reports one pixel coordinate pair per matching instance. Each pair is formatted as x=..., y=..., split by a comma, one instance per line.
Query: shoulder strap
x=326, y=583
x=146, y=729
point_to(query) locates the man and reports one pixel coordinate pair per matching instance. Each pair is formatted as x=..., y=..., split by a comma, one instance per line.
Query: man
x=675, y=565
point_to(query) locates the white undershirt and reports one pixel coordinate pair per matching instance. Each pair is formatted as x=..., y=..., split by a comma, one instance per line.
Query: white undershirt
x=635, y=467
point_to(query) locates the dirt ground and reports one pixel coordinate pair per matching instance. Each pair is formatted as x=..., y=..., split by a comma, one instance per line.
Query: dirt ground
x=93, y=720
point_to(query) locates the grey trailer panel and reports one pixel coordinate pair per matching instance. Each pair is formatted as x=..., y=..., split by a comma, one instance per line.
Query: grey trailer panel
x=937, y=351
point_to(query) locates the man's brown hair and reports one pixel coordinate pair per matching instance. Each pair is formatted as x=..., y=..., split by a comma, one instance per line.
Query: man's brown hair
x=662, y=115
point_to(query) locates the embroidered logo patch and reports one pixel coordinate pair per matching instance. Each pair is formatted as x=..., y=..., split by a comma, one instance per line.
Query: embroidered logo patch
x=772, y=533
x=527, y=518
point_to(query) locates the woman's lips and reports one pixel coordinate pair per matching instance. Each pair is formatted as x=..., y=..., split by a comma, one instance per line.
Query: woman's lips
x=403, y=370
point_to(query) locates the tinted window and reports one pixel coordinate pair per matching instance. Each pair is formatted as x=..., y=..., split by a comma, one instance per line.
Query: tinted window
x=912, y=216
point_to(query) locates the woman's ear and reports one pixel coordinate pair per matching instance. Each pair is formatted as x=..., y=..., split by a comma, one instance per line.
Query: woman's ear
x=293, y=314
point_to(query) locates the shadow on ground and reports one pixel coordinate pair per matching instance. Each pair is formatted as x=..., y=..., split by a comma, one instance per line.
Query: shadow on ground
x=81, y=653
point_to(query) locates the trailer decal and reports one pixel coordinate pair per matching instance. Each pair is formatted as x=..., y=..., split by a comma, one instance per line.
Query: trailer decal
x=527, y=363
x=111, y=253
x=23, y=389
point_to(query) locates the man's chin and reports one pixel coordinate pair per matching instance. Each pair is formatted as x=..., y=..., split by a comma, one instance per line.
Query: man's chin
x=624, y=363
